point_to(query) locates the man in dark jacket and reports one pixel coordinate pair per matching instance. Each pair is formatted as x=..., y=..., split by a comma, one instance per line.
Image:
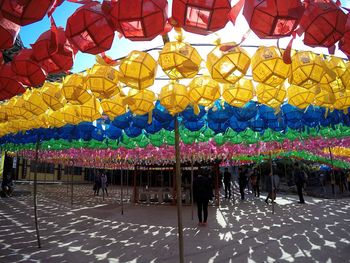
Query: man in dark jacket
x=227, y=183
x=242, y=180
x=299, y=179
x=202, y=193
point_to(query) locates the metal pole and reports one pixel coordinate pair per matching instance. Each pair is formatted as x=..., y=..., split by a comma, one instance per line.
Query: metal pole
x=333, y=176
x=34, y=192
x=272, y=183
x=233, y=184
x=71, y=187
x=178, y=191
x=121, y=190
x=192, y=188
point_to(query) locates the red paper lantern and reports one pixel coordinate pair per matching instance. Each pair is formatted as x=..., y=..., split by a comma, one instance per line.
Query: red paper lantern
x=323, y=23
x=201, y=17
x=9, y=85
x=273, y=18
x=25, y=12
x=28, y=70
x=89, y=29
x=53, y=51
x=8, y=32
x=344, y=43
x=139, y=20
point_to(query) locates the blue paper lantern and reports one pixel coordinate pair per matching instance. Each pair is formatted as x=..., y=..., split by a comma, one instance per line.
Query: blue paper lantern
x=133, y=131
x=247, y=112
x=113, y=132
x=218, y=127
x=123, y=121
x=194, y=125
x=154, y=127
x=161, y=114
x=189, y=115
x=140, y=121
x=257, y=124
x=238, y=126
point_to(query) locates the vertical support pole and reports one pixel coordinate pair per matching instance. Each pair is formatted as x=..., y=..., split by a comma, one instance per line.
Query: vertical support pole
x=34, y=192
x=121, y=190
x=178, y=190
x=192, y=188
x=71, y=187
x=135, y=186
x=272, y=185
x=217, y=195
x=233, y=183
x=333, y=176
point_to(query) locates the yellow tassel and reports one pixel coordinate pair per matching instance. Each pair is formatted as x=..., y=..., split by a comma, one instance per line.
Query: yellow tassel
x=326, y=113
x=149, y=117
x=196, y=109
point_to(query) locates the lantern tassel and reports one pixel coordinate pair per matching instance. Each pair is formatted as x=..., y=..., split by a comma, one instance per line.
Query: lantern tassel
x=149, y=121
x=235, y=10
x=105, y=60
x=196, y=109
x=287, y=52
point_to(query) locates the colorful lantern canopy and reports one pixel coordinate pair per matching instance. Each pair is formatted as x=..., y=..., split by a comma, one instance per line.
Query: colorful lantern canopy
x=74, y=90
x=90, y=110
x=324, y=98
x=89, y=29
x=34, y=102
x=114, y=106
x=342, y=100
x=71, y=114
x=8, y=32
x=53, y=51
x=238, y=94
x=344, y=42
x=280, y=18
x=300, y=97
x=29, y=71
x=140, y=102
x=179, y=60
x=307, y=69
x=268, y=66
x=140, y=20
x=9, y=85
x=52, y=95
x=271, y=96
x=24, y=12
x=18, y=110
x=227, y=63
x=55, y=118
x=138, y=70
x=201, y=17
x=323, y=23
x=102, y=81
x=203, y=91
x=174, y=97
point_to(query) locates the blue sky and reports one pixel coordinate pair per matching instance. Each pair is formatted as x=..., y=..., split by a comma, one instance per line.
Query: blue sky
x=122, y=47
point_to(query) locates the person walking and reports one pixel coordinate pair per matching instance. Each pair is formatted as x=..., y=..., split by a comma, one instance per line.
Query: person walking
x=242, y=181
x=272, y=186
x=202, y=193
x=104, y=183
x=97, y=184
x=227, y=183
x=299, y=179
x=255, y=181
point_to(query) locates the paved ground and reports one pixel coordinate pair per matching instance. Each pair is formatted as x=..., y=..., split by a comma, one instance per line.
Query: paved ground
x=95, y=230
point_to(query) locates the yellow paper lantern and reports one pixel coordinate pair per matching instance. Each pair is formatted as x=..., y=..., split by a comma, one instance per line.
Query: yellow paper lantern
x=140, y=102
x=102, y=81
x=55, y=118
x=270, y=96
x=4, y=129
x=3, y=113
x=114, y=106
x=300, y=97
x=74, y=90
x=17, y=109
x=90, y=110
x=18, y=125
x=174, y=97
x=34, y=102
x=52, y=95
x=342, y=100
x=268, y=66
x=227, y=63
x=239, y=94
x=324, y=98
x=345, y=77
x=203, y=91
x=71, y=114
x=334, y=68
x=307, y=69
x=138, y=70
x=179, y=60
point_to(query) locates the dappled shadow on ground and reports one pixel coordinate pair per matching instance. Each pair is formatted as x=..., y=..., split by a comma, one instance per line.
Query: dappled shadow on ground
x=242, y=232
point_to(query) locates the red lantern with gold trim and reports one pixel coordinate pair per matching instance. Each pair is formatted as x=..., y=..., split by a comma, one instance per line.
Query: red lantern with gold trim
x=8, y=32
x=9, y=86
x=53, y=51
x=25, y=12
x=323, y=23
x=344, y=43
x=201, y=17
x=28, y=70
x=138, y=20
x=89, y=29
x=273, y=18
